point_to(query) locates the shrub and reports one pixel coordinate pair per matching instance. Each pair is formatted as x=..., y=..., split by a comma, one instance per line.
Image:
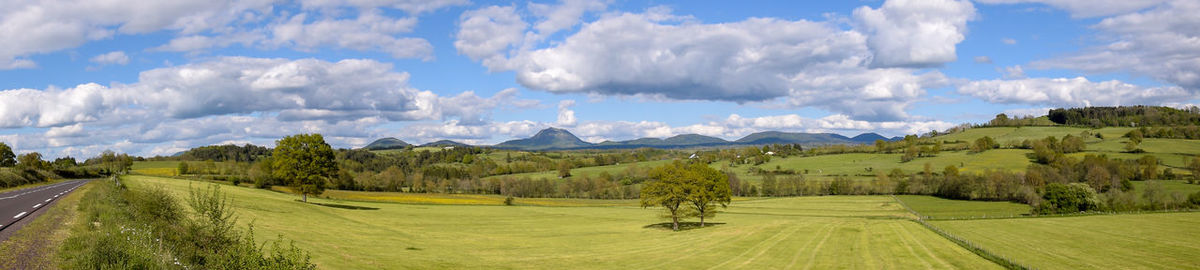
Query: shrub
x=509, y=200
x=1070, y=198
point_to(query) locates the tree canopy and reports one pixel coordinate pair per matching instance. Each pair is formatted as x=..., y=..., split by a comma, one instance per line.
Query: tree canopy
x=305, y=161
x=679, y=188
x=7, y=158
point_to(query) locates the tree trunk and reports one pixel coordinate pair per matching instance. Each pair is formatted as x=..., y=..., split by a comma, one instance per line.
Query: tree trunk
x=304, y=196
x=674, y=222
x=701, y=218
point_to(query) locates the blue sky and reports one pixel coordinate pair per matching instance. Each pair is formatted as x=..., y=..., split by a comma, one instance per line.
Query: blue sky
x=80, y=77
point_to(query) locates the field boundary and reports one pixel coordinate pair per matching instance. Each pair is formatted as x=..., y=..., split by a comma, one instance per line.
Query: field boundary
x=1083, y=214
x=974, y=248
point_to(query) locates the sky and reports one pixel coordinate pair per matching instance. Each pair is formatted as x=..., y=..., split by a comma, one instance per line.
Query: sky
x=78, y=77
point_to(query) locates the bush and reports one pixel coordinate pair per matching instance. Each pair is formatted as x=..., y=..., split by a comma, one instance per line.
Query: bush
x=509, y=200
x=1194, y=199
x=1070, y=198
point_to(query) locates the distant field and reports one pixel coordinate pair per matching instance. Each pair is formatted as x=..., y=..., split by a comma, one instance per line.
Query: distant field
x=1146, y=241
x=858, y=163
x=588, y=171
x=869, y=232
x=938, y=208
x=1170, y=186
x=160, y=168
x=465, y=199
x=1006, y=134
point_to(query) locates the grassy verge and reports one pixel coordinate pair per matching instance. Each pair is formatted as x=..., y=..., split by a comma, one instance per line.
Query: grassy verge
x=147, y=228
x=36, y=245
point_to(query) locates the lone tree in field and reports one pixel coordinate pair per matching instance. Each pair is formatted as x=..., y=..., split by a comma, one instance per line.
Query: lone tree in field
x=669, y=189
x=707, y=189
x=678, y=186
x=304, y=161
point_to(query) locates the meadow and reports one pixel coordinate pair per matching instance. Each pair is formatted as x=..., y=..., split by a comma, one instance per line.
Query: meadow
x=799, y=232
x=588, y=171
x=938, y=208
x=1127, y=241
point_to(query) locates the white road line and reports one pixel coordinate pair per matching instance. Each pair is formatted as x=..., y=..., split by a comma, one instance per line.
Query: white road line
x=20, y=215
x=36, y=206
x=48, y=200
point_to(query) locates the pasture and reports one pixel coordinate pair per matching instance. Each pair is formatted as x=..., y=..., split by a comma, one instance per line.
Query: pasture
x=802, y=232
x=939, y=208
x=589, y=171
x=859, y=163
x=160, y=168
x=1129, y=241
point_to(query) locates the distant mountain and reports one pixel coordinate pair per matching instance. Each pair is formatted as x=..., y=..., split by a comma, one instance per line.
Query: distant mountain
x=679, y=141
x=561, y=139
x=776, y=137
x=547, y=139
x=444, y=143
x=868, y=138
x=386, y=143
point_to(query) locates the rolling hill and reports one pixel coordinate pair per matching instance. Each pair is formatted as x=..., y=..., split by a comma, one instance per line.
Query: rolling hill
x=547, y=139
x=444, y=143
x=386, y=143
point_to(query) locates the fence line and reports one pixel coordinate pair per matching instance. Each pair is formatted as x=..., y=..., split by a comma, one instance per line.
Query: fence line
x=974, y=248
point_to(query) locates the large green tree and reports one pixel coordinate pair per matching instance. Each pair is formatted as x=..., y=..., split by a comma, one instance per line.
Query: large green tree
x=7, y=158
x=708, y=188
x=32, y=161
x=687, y=190
x=669, y=189
x=304, y=161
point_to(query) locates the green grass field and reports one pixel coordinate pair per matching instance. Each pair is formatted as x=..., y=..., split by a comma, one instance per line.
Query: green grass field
x=858, y=163
x=1180, y=186
x=806, y=232
x=588, y=171
x=938, y=208
x=1145, y=241
x=161, y=168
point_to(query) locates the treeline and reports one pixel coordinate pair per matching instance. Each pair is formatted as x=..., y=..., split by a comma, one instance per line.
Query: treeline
x=1189, y=132
x=150, y=229
x=30, y=168
x=229, y=152
x=1003, y=120
x=1097, y=117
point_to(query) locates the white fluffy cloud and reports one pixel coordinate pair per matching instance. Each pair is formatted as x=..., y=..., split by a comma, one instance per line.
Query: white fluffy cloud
x=1075, y=92
x=761, y=60
x=370, y=31
x=236, y=98
x=485, y=34
x=410, y=6
x=1161, y=43
x=35, y=27
x=917, y=33
x=566, y=117
x=1088, y=8
x=111, y=58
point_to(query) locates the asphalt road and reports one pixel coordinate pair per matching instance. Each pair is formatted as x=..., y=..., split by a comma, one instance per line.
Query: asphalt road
x=20, y=204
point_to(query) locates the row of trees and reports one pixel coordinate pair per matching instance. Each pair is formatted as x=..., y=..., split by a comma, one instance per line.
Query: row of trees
x=1126, y=116
x=29, y=168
